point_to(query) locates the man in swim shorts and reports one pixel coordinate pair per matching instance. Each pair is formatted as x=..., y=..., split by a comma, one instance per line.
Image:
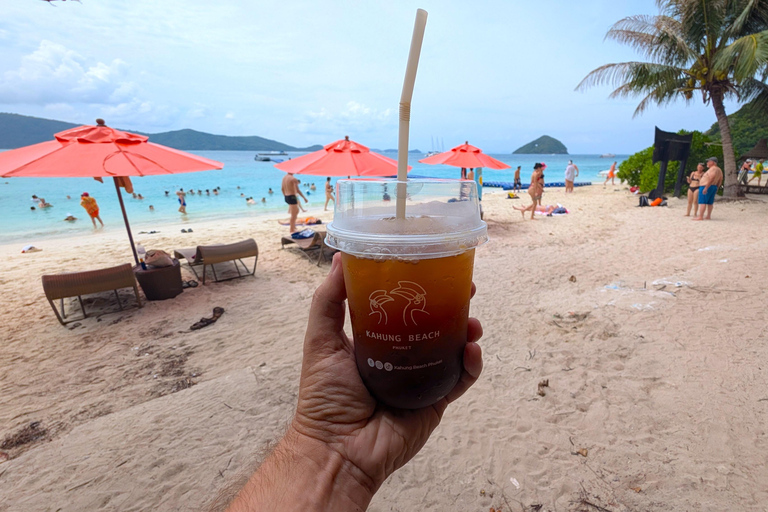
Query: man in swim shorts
x=518, y=185
x=536, y=188
x=290, y=187
x=89, y=203
x=708, y=185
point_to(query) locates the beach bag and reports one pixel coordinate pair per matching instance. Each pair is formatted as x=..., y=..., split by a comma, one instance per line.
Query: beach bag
x=644, y=201
x=158, y=258
x=657, y=201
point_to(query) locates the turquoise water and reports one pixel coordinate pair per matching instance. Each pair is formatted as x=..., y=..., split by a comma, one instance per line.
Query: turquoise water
x=20, y=224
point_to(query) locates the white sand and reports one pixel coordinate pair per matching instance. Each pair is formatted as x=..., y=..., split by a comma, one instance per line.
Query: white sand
x=654, y=356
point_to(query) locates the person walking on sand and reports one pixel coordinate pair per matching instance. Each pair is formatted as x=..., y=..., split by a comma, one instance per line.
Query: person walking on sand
x=708, y=185
x=182, y=201
x=571, y=173
x=693, y=189
x=328, y=193
x=611, y=174
x=91, y=207
x=517, y=185
x=290, y=188
x=536, y=188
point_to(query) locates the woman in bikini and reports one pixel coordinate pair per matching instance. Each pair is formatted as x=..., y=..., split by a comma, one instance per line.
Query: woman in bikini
x=693, y=188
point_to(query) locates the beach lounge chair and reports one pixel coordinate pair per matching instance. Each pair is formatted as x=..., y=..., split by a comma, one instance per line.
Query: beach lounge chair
x=77, y=284
x=210, y=255
x=313, y=248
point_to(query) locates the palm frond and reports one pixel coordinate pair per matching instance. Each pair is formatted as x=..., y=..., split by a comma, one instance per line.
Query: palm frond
x=658, y=38
x=756, y=90
x=744, y=57
x=640, y=75
x=748, y=17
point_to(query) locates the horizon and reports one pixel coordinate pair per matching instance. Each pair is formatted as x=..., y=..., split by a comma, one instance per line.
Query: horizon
x=305, y=73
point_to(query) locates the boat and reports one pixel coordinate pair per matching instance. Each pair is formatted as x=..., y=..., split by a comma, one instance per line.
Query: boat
x=268, y=156
x=607, y=155
x=434, y=151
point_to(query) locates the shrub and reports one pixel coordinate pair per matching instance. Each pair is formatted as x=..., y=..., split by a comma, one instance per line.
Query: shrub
x=638, y=169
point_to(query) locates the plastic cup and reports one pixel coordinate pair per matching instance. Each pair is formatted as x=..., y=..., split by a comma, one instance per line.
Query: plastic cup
x=408, y=282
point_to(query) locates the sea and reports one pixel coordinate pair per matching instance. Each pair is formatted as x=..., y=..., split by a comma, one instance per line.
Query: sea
x=241, y=177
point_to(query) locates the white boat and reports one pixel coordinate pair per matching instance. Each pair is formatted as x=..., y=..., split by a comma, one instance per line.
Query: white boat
x=607, y=155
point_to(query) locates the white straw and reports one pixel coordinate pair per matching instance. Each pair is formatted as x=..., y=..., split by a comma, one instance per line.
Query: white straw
x=405, y=109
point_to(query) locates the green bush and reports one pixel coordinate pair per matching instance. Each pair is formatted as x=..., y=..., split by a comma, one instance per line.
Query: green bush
x=638, y=170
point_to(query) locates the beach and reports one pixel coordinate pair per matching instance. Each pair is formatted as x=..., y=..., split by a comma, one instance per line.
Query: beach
x=648, y=329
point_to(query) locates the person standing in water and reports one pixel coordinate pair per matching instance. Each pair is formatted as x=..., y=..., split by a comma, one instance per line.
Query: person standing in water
x=90, y=205
x=182, y=201
x=328, y=193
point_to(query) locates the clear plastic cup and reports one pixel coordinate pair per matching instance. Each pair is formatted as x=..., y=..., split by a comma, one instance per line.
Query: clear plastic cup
x=408, y=282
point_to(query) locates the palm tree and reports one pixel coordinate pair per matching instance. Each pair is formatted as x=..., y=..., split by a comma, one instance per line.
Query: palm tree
x=718, y=47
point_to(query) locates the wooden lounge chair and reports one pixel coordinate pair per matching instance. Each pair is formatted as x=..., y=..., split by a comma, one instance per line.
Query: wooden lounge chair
x=313, y=247
x=77, y=284
x=209, y=255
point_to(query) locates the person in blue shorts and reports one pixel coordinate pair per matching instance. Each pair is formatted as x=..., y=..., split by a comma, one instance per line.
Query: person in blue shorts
x=708, y=185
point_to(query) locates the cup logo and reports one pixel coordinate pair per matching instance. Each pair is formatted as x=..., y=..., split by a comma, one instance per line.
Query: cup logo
x=415, y=302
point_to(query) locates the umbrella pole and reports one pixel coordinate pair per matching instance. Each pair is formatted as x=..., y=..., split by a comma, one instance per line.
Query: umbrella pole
x=125, y=218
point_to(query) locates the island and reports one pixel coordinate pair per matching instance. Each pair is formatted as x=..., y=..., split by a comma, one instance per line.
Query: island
x=544, y=145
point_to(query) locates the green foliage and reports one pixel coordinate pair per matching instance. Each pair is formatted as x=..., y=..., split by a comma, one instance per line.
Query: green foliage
x=17, y=131
x=748, y=125
x=637, y=170
x=716, y=49
x=544, y=145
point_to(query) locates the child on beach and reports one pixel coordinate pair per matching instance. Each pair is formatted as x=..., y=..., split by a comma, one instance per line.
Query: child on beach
x=91, y=207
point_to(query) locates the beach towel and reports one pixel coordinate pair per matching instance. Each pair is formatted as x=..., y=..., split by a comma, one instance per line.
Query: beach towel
x=304, y=233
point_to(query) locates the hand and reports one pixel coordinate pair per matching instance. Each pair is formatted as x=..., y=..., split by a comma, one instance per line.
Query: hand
x=334, y=406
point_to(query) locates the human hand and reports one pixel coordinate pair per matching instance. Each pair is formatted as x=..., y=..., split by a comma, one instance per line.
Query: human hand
x=335, y=407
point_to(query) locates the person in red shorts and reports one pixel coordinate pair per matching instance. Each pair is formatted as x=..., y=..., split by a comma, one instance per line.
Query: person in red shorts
x=91, y=207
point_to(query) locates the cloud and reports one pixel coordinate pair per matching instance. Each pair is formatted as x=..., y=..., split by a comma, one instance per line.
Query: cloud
x=55, y=74
x=354, y=119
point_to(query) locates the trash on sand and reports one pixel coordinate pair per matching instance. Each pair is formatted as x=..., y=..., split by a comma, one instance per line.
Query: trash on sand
x=572, y=279
x=204, y=322
x=643, y=307
x=582, y=451
x=543, y=384
x=515, y=483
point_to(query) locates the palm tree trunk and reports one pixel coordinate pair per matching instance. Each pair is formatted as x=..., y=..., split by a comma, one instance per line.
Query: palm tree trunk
x=730, y=179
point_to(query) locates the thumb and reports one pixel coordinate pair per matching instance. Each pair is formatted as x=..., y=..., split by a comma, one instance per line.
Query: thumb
x=326, y=315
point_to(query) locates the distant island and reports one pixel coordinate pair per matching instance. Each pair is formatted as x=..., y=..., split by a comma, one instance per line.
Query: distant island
x=17, y=131
x=544, y=145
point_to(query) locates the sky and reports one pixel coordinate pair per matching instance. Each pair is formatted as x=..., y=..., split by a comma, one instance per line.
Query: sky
x=498, y=74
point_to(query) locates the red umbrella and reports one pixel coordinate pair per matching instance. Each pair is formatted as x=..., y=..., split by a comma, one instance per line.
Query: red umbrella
x=97, y=152
x=465, y=156
x=341, y=158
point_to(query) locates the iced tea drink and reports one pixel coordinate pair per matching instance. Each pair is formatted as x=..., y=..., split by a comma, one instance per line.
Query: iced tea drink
x=409, y=322
x=408, y=283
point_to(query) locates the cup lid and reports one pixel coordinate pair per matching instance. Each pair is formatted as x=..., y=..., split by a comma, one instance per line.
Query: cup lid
x=442, y=218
